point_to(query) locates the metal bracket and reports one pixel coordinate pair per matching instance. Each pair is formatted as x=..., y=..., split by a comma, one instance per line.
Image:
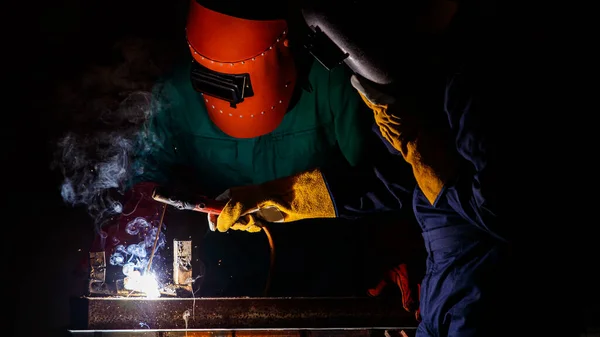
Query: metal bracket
x=97, y=277
x=182, y=264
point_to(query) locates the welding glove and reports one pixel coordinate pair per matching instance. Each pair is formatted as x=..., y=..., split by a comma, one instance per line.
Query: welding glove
x=425, y=149
x=409, y=290
x=302, y=196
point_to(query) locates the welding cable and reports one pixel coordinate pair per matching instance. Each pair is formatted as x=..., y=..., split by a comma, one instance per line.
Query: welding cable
x=136, y=205
x=272, y=258
x=162, y=217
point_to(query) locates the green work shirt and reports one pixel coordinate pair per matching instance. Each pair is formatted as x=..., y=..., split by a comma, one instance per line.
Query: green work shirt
x=327, y=125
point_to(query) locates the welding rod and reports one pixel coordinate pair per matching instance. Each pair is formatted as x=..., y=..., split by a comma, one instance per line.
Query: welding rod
x=201, y=204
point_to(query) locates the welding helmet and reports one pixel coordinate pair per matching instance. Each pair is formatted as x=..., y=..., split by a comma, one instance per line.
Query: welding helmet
x=243, y=67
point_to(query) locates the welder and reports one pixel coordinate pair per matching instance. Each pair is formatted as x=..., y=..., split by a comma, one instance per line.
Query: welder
x=249, y=107
x=468, y=289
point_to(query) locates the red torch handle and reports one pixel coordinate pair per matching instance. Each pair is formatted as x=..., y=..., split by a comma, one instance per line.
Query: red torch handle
x=210, y=206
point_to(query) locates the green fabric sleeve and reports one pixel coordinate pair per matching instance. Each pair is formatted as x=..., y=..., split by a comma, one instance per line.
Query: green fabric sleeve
x=353, y=120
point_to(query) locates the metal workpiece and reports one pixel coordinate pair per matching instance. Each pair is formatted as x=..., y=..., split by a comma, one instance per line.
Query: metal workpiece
x=182, y=264
x=109, y=313
x=97, y=279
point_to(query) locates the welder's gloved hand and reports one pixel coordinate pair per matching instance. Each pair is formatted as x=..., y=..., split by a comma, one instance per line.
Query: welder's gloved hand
x=247, y=223
x=425, y=148
x=410, y=290
x=250, y=222
x=298, y=197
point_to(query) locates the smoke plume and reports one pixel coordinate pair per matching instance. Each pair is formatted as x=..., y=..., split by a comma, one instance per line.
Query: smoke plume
x=106, y=109
x=96, y=165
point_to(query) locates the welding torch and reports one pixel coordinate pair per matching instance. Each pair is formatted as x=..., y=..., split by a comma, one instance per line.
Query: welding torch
x=196, y=203
x=211, y=206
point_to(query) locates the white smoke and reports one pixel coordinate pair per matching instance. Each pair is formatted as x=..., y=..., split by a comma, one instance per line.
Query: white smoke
x=96, y=165
x=136, y=256
x=107, y=109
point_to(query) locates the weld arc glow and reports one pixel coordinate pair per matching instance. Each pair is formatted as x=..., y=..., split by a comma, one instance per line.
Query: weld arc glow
x=134, y=258
x=146, y=284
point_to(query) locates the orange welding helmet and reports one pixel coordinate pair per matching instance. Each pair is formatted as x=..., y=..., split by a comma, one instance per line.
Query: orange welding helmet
x=243, y=68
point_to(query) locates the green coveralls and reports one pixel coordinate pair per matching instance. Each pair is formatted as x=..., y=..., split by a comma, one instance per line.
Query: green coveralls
x=327, y=125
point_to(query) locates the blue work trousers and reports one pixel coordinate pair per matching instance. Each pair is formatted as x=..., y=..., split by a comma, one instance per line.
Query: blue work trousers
x=467, y=289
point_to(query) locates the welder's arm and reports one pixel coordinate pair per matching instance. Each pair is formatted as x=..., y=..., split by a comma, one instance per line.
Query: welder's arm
x=376, y=179
x=380, y=184
x=426, y=147
x=327, y=193
x=454, y=159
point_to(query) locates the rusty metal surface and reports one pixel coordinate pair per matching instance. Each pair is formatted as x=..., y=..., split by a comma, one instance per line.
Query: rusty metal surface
x=238, y=313
x=246, y=333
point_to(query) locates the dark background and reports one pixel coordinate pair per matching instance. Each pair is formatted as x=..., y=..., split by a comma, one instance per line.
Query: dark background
x=45, y=241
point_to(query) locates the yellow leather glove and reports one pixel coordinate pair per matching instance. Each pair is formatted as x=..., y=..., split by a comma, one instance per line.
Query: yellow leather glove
x=427, y=150
x=298, y=197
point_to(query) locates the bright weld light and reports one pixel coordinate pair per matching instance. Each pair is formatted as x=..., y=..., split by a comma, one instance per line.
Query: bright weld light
x=146, y=284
